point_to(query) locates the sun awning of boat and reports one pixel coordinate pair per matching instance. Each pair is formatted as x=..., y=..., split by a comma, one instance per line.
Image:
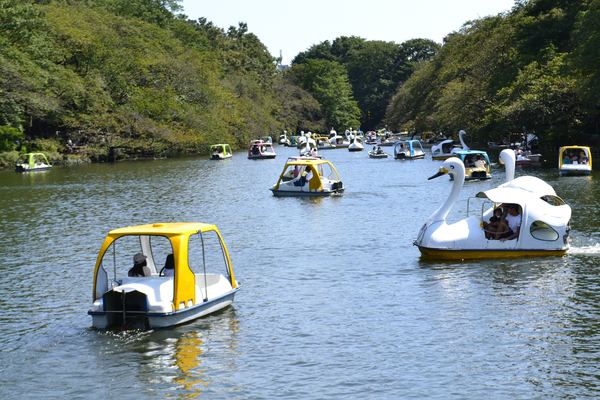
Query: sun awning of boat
x=508, y=195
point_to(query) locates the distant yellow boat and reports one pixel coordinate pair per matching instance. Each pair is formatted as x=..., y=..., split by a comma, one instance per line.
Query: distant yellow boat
x=306, y=176
x=575, y=160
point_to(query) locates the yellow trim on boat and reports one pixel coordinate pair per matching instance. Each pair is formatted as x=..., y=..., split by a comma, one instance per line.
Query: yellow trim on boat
x=574, y=147
x=443, y=254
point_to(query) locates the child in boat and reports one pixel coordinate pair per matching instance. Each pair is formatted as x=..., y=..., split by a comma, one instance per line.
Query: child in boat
x=513, y=222
x=497, y=225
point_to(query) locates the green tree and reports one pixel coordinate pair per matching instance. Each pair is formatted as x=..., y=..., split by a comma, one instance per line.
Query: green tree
x=328, y=82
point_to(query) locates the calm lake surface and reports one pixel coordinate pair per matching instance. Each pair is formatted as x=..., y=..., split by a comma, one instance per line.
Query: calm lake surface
x=334, y=301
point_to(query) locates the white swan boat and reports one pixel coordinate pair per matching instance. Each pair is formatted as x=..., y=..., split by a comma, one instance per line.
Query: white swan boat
x=356, y=144
x=308, y=148
x=338, y=141
x=544, y=223
x=284, y=140
x=190, y=285
x=447, y=148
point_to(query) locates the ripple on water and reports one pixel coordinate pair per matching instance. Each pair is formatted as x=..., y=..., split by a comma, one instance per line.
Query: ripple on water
x=335, y=301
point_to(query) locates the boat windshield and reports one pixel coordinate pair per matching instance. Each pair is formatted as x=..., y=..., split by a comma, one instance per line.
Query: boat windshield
x=206, y=254
x=119, y=257
x=326, y=171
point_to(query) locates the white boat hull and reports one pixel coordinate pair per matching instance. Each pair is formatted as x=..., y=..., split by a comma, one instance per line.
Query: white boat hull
x=164, y=320
x=574, y=170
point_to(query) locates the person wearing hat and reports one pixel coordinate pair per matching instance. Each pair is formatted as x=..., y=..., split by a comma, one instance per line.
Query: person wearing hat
x=139, y=266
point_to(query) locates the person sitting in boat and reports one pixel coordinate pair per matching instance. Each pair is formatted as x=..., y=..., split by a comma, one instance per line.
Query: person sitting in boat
x=169, y=268
x=479, y=162
x=513, y=221
x=566, y=159
x=379, y=150
x=139, y=266
x=497, y=225
x=305, y=176
x=469, y=162
x=582, y=158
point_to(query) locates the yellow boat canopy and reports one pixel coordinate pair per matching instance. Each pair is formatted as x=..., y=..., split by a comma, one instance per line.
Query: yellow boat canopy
x=575, y=150
x=178, y=233
x=163, y=229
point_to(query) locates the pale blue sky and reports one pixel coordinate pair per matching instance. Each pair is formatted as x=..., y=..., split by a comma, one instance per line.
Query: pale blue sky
x=294, y=26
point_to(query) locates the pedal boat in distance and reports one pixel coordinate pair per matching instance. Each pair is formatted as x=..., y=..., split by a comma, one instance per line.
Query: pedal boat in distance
x=477, y=164
x=155, y=299
x=356, y=144
x=447, y=148
x=32, y=162
x=408, y=150
x=306, y=176
x=574, y=160
x=260, y=150
x=544, y=229
x=220, y=151
x=377, y=152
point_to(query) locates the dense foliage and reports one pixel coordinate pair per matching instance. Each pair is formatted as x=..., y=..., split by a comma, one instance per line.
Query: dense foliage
x=135, y=78
x=537, y=68
x=131, y=75
x=374, y=70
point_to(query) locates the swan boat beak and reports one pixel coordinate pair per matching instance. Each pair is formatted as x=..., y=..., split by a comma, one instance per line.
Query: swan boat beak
x=441, y=172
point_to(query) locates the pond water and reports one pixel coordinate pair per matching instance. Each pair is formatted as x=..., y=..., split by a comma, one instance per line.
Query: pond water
x=335, y=301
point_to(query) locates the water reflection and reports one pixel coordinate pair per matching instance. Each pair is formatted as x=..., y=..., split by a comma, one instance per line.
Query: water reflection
x=183, y=360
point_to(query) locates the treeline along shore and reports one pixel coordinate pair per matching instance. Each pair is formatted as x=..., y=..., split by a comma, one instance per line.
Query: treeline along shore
x=105, y=80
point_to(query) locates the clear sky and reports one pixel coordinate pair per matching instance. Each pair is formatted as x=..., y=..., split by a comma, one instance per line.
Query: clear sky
x=294, y=26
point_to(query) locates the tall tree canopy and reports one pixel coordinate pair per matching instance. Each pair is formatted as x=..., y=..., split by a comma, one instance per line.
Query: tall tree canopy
x=136, y=75
x=328, y=83
x=374, y=68
x=534, y=68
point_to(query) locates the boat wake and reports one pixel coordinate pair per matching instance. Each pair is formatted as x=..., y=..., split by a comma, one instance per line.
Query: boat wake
x=588, y=250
